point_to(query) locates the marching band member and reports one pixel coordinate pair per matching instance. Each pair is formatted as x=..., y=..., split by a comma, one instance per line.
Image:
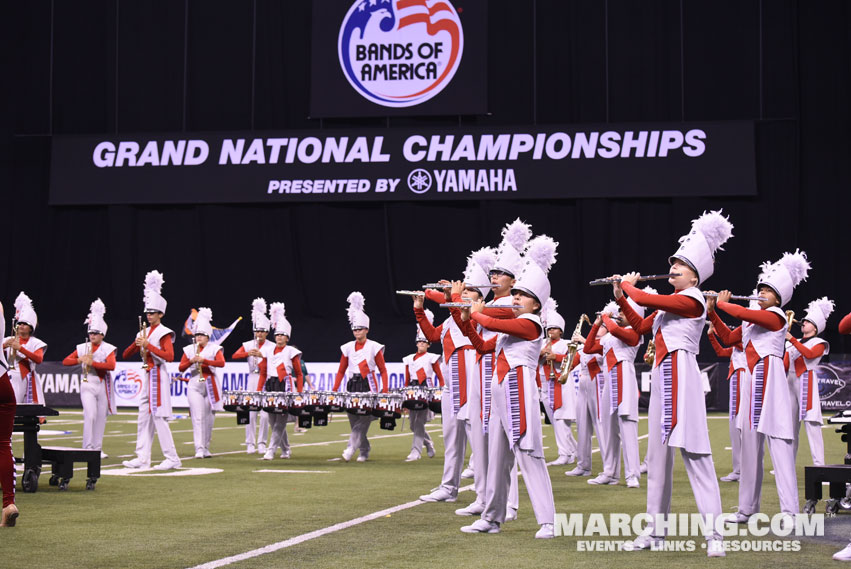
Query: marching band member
x=10, y=513
x=736, y=376
x=156, y=345
x=97, y=391
x=559, y=399
x=606, y=420
x=283, y=368
x=845, y=553
x=770, y=408
x=24, y=352
x=204, y=392
x=422, y=368
x=515, y=430
x=620, y=346
x=588, y=405
x=256, y=351
x=677, y=411
x=360, y=360
x=803, y=357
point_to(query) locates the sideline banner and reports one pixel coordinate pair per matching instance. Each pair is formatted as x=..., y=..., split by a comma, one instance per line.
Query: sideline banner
x=638, y=160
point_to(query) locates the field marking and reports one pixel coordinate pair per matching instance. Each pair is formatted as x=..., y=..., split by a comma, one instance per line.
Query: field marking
x=134, y=472
x=295, y=471
x=313, y=535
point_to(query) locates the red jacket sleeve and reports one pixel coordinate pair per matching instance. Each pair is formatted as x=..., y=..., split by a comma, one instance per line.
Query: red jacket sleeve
x=407, y=376
x=184, y=364
x=35, y=357
x=341, y=371
x=729, y=337
x=431, y=333
x=299, y=376
x=240, y=354
x=437, y=371
x=592, y=345
x=719, y=349
x=165, y=352
x=639, y=324
x=435, y=295
x=218, y=362
x=71, y=359
x=629, y=337
x=768, y=320
x=519, y=327
x=679, y=304
x=108, y=365
x=845, y=324
x=130, y=350
x=482, y=346
x=809, y=353
x=382, y=368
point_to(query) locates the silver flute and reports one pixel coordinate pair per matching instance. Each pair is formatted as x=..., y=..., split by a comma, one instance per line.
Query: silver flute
x=469, y=305
x=442, y=286
x=410, y=292
x=735, y=297
x=610, y=280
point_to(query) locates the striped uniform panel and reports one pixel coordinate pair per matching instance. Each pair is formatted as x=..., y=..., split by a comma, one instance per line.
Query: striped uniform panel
x=757, y=393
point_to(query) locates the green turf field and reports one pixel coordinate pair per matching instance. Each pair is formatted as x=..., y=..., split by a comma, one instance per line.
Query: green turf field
x=183, y=521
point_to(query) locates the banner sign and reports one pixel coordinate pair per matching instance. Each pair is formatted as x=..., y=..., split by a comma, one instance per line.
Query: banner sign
x=398, y=57
x=403, y=164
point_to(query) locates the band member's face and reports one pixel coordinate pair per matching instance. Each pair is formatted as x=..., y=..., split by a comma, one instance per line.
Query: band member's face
x=24, y=331
x=620, y=319
x=202, y=340
x=95, y=337
x=471, y=294
x=770, y=297
x=808, y=329
x=281, y=340
x=554, y=334
x=687, y=277
x=422, y=347
x=360, y=334
x=154, y=317
x=260, y=334
x=504, y=280
x=527, y=301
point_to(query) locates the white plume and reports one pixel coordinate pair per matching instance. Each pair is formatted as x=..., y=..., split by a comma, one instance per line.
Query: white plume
x=154, y=282
x=716, y=228
x=258, y=305
x=356, y=303
x=205, y=313
x=21, y=301
x=650, y=290
x=797, y=265
x=97, y=308
x=517, y=234
x=549, y=306
x=485, y=258
x=542, y=250
x=276, y=313
x=429, y=316
x=611, y=308
x=824, y=304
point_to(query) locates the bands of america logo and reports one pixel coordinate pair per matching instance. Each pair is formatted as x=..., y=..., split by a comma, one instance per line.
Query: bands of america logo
x=400, y=53
x=128, y=383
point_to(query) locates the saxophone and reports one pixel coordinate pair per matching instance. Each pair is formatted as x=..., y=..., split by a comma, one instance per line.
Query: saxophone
x=650, y=353
x=572, y=348
x=790, y=319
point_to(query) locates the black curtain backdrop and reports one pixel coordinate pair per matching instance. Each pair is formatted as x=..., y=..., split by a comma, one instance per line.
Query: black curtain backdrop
x=121, y=66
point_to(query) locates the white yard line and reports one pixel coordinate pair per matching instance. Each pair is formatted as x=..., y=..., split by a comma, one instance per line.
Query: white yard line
x=313, y=535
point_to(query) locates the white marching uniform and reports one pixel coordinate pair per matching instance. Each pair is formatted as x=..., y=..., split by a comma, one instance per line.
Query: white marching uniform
x=97, y=395
x=739, y=379
x=22, y=372
x=204, y=395
x=677, y=415
x=515, y=430
x=421, y=370
x=621, y=406
x=255, y=383
x=357, y=359
x=587, y=413
x=804, y=389
x=278, y=421
x=155, y=403
x=560, y=401
x=607, y=422
x=768, y=419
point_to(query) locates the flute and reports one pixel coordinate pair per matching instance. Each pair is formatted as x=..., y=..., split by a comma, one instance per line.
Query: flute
x=610, y=280
x=442, y=286
x=410, y=292
x=735, y=297
x=469, y=305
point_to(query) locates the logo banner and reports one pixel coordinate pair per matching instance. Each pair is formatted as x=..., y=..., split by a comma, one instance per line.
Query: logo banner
x=403, y=164
x=398, y=57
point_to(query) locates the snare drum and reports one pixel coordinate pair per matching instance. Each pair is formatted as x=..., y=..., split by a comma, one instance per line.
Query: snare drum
x=360, y=403
x=299, y=407
x=276, y=401
x=434, y=403
x=415, y=397
x=388, y=405
x=241, y=401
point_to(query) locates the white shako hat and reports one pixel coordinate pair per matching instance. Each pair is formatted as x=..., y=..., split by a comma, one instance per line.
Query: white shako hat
x=430, y=317
x=549, y=316
x=154, y=302
x=640, y=310
x=203, y=323
x=357, y=317
x=280, y=324
x=611, y=309
x=698, y=247
x=515, y=236
x=94, y=321
x=784, y=275
x=259, y=320
x=818, y=311
x=24, y=311
x=479, y=264
x=539, y=257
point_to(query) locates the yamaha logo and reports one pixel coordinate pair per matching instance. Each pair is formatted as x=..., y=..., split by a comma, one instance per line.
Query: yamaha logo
x=400, y=53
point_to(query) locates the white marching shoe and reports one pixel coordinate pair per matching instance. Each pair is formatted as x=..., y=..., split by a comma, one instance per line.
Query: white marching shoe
x=481, y=526
x=645, y=542
x=732, y=477
x=348, y=454
x=632, y=482
x=843, y=554
x=467, y=473
x=439, y=495
x=603, y=479
x=412, y=457
x=473, y=509
x=168, y=464
x=546, y=532
x=578, y=471
x=510, y=514
x=251, y=449
x=136, y=463
x=715, y=548
x=429, y=449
